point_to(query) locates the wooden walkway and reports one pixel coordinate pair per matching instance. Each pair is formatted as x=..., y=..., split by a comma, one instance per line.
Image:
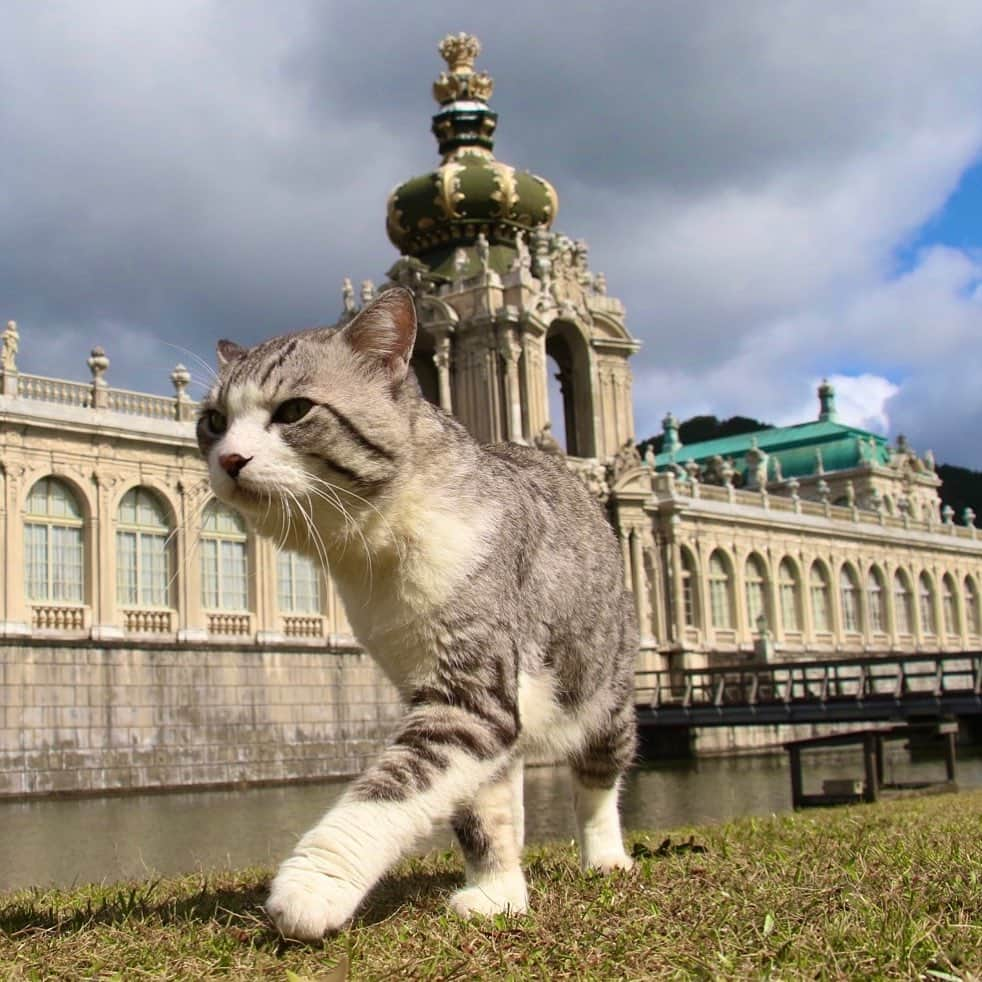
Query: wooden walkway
x=869, y=787
x=886, y=688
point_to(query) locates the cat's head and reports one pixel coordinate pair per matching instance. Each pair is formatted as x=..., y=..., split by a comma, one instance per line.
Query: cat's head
x=314, y=422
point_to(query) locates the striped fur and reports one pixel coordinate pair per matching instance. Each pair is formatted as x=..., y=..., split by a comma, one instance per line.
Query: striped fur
x=485, y=582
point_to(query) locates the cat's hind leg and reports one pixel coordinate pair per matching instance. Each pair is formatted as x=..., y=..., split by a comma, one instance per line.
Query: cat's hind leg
x=597, y=773
x=489, y=831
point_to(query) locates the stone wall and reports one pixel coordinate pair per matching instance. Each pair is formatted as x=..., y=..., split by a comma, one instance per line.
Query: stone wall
x=85, y=717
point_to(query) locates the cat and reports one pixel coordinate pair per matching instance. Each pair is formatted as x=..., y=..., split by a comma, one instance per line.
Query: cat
x=484, y=580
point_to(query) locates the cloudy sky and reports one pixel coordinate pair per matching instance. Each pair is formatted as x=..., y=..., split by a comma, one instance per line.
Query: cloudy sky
x=777, y=190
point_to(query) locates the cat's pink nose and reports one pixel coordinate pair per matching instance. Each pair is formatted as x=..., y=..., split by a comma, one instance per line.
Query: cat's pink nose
x=232, y=463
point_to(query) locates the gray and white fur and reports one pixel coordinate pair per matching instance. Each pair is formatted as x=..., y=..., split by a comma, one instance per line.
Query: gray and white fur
x=484, y=580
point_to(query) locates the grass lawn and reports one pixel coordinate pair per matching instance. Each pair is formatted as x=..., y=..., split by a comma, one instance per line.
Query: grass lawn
x=892, y=890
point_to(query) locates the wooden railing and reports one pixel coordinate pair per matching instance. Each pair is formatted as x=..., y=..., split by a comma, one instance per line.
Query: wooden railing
x=890, y=687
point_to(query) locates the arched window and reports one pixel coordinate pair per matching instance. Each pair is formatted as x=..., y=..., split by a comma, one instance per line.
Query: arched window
x=903, y=604
x=876, y=601
x=972, y=622
x=972, y=607
x=720, y=591
x=821, y=597
x=790, y=603
x=53, y=543
x=690, y=604
x=298, y=588
x=755, y=584
x=142, y=554
x=849, y=595
x=948, y=610
x=224, y=566
x=925, y=594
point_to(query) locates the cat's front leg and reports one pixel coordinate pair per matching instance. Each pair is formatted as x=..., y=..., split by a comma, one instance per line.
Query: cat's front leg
x=440, y=759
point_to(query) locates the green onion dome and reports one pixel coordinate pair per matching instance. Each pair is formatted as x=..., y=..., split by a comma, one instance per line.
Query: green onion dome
x=471, y=192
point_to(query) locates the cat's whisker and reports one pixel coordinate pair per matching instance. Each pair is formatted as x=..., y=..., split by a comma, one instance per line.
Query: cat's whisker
x=388, y=527
x=316, y=537
x=352, y=524
x=193, y=354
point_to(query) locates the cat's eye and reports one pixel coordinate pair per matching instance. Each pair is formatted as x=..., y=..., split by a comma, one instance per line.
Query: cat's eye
x=292, y=410
x=215, y=422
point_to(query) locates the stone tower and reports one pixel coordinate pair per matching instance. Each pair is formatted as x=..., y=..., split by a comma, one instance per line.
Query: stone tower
x=498, y=291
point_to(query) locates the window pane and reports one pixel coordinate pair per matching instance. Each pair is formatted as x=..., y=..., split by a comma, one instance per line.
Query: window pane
x=36, y=548
x=209, y=573
x=126, y=567
x=820, y=599
x=153, y=570
x=927, y=607
x=66, y=564
x=232, y=585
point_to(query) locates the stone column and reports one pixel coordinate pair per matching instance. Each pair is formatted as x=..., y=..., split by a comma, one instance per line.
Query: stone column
x=100, y=552
x=191, y=615
x=510, y=349
x=441, y=358
x=677, y=629
x=263, y=569
x=16, y=615
x=639, y=582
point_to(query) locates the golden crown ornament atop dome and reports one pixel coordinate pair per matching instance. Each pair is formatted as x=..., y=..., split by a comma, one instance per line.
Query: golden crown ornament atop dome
x=460, y=51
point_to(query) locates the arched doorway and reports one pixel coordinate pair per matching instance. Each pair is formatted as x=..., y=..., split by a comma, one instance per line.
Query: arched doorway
x=568, y=360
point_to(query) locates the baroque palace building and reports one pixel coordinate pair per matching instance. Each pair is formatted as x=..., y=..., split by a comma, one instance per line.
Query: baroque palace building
x=150, y=639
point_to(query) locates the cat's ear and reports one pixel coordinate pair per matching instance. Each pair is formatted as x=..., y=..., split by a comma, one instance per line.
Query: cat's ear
x=386, y=331
x=228, y=351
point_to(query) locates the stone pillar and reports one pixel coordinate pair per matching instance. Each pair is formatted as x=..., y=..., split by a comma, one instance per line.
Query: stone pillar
x=16, y=615
x=193, y=626
x=639, y=582
x=510, y=349
x=677, y=629
x=441, y=358
x=266, y=606
x=100, y=553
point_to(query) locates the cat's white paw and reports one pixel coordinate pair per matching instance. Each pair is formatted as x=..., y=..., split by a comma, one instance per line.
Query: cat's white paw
x=608, y=862
x=498, y=893
x=305, y=904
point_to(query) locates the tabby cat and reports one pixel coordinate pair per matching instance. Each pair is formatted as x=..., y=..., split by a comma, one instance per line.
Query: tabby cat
x=484, y=580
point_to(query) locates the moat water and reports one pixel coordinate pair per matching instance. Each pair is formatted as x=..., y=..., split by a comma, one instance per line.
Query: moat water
x=60, y=842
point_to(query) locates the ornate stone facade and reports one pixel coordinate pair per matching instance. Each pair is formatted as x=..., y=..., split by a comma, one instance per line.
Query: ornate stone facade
x=828, y=543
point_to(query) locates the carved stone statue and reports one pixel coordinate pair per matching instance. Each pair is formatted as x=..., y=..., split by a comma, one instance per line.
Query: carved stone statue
x=367, y=292
x=483, y=252
x=547, y=443
x=348, y=296
x=649, y=456
x=11, y=345
x=929, y=462
x=600, y=284
x=460, y=261
x=523, y=257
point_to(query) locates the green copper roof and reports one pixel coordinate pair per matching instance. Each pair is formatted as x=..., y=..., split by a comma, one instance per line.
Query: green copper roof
x=799, y=448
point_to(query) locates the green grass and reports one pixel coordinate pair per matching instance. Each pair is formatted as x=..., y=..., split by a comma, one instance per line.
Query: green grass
x=892, y=890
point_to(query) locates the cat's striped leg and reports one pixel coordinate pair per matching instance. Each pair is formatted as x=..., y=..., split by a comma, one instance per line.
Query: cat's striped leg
x=441, y=758
x=489, y=839
x=597, y=776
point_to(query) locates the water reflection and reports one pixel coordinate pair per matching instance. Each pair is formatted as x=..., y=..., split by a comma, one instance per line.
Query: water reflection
x=60, y=842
